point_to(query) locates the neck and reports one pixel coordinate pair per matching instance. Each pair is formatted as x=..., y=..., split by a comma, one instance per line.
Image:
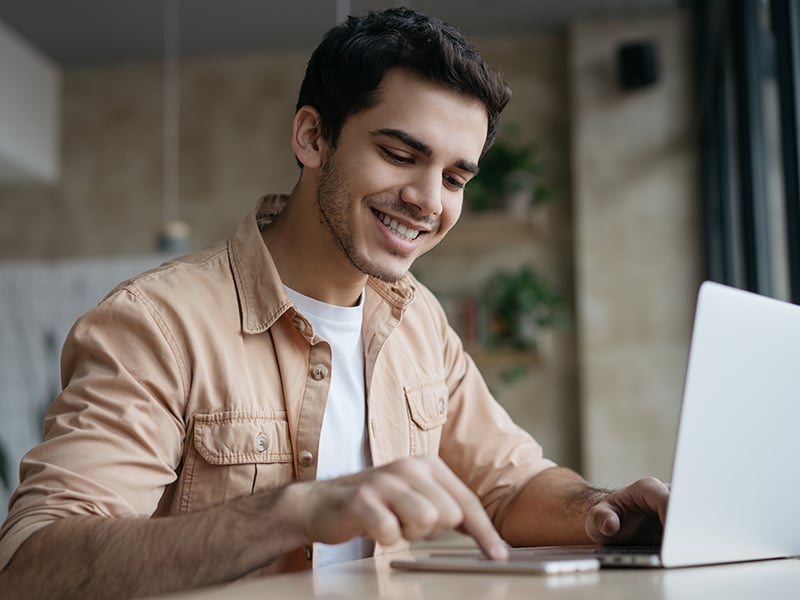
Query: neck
x=306, y=256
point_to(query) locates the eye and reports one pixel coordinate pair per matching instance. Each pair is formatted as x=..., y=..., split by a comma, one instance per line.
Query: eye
x=454, y=182
x=396, y=158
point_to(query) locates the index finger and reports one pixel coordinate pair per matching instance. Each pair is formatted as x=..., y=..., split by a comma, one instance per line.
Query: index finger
x=476, y=522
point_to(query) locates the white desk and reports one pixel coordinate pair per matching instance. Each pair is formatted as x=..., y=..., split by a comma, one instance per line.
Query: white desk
x=374, y=578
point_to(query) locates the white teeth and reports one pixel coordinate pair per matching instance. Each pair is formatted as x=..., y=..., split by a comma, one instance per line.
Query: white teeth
x=402, y=230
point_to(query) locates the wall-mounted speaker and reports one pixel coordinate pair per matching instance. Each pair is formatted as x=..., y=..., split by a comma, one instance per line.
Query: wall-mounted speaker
x=637, y=65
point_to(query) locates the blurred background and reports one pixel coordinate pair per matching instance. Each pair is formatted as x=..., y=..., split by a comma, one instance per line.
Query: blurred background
x=649, y=145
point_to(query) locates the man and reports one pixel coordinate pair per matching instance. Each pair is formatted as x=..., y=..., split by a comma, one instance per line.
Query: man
x=294, y=397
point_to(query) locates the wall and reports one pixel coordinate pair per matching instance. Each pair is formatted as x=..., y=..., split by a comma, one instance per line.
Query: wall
x=235, y=125
x=638, y=255
x=30, y=99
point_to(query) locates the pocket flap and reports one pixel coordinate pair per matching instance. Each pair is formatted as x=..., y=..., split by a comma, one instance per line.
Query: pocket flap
x=242, y=437
x=427, y=403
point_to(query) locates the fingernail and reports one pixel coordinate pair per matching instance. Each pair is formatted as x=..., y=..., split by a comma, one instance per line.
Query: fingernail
x=608, y=528
x=499, y=552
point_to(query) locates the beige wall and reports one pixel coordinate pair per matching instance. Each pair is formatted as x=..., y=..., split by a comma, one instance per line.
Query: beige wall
x=632, y=252
x=638, y=254
x=235, y=124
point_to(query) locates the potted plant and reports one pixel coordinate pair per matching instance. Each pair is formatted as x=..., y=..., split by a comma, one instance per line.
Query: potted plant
x=519, y=305
x=510, y=177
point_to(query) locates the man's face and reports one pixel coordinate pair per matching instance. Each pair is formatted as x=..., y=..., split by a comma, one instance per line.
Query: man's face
x=393, y=186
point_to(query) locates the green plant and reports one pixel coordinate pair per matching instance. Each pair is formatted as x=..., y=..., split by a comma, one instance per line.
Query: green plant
x=519, y=304
x=508, y=167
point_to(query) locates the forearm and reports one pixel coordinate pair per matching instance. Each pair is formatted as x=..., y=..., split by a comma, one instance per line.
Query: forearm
x=92, y=557
x=550, y=510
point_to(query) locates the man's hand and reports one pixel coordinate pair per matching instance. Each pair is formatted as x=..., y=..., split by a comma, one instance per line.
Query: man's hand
x=411, y=499
x=634, y=514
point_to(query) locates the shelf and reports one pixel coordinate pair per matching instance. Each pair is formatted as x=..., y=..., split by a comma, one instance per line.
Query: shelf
x=487, y=228
x=460, y=265
x=497, y=359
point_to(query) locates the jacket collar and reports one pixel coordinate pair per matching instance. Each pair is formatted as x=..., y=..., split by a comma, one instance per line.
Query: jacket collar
x=262, y=298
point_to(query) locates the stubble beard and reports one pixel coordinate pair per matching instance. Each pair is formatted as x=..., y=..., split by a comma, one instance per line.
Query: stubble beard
x=334, y=204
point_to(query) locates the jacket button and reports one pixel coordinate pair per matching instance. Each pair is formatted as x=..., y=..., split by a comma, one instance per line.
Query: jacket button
x=319, y=372
x=309, y=553
x=442, y=406
x=305, y=458
x=299, y=324
x=261, y=442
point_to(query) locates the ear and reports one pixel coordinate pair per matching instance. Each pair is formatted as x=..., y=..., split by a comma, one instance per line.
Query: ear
x=307, y=141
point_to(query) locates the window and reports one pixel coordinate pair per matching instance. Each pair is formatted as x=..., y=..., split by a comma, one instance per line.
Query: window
x=749, y=89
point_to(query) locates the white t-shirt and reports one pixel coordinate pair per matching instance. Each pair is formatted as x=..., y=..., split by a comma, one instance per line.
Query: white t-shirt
x=343, y=444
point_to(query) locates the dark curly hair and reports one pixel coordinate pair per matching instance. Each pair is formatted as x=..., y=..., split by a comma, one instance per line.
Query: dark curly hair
x=345, y=71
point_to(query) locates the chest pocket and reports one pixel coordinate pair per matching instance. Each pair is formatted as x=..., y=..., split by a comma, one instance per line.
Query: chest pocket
x=233, y=454
x=427, y=410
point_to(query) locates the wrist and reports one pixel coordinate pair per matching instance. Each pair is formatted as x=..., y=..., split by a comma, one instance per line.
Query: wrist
x=294, y=507
x=590, y=497
x=266, y=524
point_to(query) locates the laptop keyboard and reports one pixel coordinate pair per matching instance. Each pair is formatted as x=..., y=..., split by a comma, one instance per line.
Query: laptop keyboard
x=626, y=550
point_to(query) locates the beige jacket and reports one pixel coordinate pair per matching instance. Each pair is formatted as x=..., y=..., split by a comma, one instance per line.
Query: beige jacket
x=198, y=382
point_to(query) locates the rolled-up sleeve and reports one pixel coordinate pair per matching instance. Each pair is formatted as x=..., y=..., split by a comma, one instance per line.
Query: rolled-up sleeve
x=113, y=437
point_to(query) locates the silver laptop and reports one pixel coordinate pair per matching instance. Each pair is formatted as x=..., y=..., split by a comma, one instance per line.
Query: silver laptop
x=736, y=471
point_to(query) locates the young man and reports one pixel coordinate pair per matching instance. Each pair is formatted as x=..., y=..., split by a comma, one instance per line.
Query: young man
x=294, y=397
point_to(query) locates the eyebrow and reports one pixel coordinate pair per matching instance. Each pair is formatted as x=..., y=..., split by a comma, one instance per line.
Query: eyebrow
x=412, y=142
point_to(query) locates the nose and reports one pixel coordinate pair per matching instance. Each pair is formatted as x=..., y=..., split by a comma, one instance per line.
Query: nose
x=425, y=193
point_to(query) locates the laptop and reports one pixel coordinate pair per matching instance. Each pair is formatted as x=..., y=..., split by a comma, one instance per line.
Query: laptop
x=736, y=470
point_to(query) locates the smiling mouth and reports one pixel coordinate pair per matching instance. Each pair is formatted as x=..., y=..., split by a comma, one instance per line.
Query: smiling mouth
x=401, y=230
